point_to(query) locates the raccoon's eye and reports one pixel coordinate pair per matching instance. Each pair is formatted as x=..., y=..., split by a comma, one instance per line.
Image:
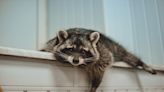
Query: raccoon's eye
x=67, y=50
x=83, y=51
x=86, y=53
x=70, y=49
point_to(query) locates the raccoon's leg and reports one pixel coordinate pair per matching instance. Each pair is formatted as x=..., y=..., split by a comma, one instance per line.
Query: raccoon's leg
x=95, y=77
x=137, y=63
x=146, y=67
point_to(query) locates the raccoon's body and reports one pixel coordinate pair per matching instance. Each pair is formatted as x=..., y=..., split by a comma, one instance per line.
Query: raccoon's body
x=92, y=51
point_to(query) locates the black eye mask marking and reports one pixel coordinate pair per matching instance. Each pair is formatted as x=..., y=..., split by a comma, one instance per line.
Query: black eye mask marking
x=70, y=51
x=86, y=53
x=67, y=50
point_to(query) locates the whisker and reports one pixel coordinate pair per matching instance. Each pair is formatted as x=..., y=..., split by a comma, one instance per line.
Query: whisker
x=61, y=55
x=91, y=59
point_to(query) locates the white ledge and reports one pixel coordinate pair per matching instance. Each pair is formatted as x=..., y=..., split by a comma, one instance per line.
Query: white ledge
x=26, y=53
x=5, y=51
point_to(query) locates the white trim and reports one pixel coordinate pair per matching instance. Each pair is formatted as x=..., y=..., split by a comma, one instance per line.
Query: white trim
x=81, y=88
x=26, y=53
x=4, y=51
x=42, y=23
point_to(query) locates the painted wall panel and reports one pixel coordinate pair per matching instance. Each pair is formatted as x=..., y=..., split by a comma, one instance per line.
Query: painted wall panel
x=147, y=31
x=17, y=73
x=137, y=25
x=155, y=37
x=140, y=35
x=64, y=14
x=21, y=74
x=160, y=11
x=148, y=80
x=18, y=23
x=118, y=21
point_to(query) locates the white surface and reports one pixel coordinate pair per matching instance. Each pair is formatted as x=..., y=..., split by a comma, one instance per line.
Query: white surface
x=138, y=25
x=18, y=74
x=18, y=23
x=26, y=53
x=64, y=14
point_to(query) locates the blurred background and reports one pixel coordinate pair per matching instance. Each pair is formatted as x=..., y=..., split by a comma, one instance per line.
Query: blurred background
x=136, y=24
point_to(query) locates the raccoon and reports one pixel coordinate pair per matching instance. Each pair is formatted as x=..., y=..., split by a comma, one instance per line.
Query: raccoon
x=91, y=51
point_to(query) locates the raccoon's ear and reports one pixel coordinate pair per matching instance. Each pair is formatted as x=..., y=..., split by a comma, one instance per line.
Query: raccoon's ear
x=94, y=37
x=62, y=35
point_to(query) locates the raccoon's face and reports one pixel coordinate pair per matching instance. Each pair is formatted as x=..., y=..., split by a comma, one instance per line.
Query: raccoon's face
x=77, y=47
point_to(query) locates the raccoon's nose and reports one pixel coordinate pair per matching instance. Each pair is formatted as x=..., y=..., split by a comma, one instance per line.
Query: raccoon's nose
x=75, y=61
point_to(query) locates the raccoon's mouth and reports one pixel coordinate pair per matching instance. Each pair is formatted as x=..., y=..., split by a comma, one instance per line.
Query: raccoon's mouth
x=72, y=60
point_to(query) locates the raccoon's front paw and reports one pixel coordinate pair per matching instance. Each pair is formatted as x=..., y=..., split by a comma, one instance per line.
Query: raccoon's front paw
x=153, y=71
x=150, y=70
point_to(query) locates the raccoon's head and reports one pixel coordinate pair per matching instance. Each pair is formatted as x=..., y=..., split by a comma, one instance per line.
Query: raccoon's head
x=77, y=47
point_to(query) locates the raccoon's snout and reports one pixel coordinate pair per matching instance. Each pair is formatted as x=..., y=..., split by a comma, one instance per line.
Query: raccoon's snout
x=75, y=61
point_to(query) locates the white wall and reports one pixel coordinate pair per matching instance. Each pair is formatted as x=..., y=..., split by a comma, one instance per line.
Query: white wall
x=18, y=74
x=18, y=23
x=138, y=25
x=64, y=14
x=117, y=21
